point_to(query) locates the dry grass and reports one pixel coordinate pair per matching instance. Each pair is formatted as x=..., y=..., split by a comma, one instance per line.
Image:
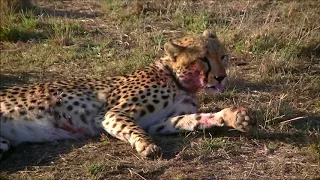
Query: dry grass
x=274, y=70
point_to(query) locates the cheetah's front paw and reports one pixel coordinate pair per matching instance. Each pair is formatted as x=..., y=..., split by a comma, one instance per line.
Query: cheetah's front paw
x=147, y=149
x=238, y=118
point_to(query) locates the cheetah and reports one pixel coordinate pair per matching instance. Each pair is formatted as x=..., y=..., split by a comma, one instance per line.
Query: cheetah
x=160, y=99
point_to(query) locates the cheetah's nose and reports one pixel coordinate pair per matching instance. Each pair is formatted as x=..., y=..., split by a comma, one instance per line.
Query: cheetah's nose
x=219, y=78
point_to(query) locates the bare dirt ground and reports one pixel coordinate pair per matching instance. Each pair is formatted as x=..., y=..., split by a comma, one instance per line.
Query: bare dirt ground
x=274, y=71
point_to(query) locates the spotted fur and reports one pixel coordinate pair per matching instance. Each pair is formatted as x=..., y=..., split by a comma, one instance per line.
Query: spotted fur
x=159, y=99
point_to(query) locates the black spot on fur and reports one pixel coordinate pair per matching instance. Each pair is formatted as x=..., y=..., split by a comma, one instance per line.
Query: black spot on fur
x=125, y=96
x=114, y=125
x=76, y=103
x=112, y=101
x=58, y=104
x=83, y=118
x=111, y=115
x=33, y=101
x=142, y=113
x=123, y=126
x=165, y=104
x=150, y=108
x=134, y=99
x=42, y=108
x=124, y=105
x=165, y=97
x=155, y=101
x=69, y=108
x=21, y=113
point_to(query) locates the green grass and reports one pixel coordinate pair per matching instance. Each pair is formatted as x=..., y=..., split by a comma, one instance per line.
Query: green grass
x=158, y=40
x=113, y=5
x=192, y=22
x=95, y=169
x=209, y=144
x=21, y=27
x=63, y=32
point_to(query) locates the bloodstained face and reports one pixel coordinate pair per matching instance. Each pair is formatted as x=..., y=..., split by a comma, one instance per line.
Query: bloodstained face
x=199, y=62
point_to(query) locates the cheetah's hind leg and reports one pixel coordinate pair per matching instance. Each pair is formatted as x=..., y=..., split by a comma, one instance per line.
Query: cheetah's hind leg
x=4, y=145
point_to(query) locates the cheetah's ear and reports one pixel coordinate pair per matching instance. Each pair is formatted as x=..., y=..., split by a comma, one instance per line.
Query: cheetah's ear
x=173, y=50
x=209, y=34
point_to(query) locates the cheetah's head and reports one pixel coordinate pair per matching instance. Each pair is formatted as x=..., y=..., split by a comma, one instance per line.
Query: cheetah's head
x=198, y=62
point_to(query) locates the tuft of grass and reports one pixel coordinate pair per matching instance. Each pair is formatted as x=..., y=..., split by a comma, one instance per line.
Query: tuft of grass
x=158, y=40
x=19, y=26
x=179, y=177
x=25, y=26
x=95, y=169
x=130, y=20
x=113, y=5
x=192, y=22
x=209, y=144
x=313, y=150
x=63, y=32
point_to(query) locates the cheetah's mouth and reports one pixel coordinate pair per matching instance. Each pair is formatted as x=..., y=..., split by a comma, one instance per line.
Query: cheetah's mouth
x=215, y=89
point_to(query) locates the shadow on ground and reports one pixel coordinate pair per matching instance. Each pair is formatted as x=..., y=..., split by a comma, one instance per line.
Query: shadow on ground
x=9, y=80
x=28, y=156
x=61, y=13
